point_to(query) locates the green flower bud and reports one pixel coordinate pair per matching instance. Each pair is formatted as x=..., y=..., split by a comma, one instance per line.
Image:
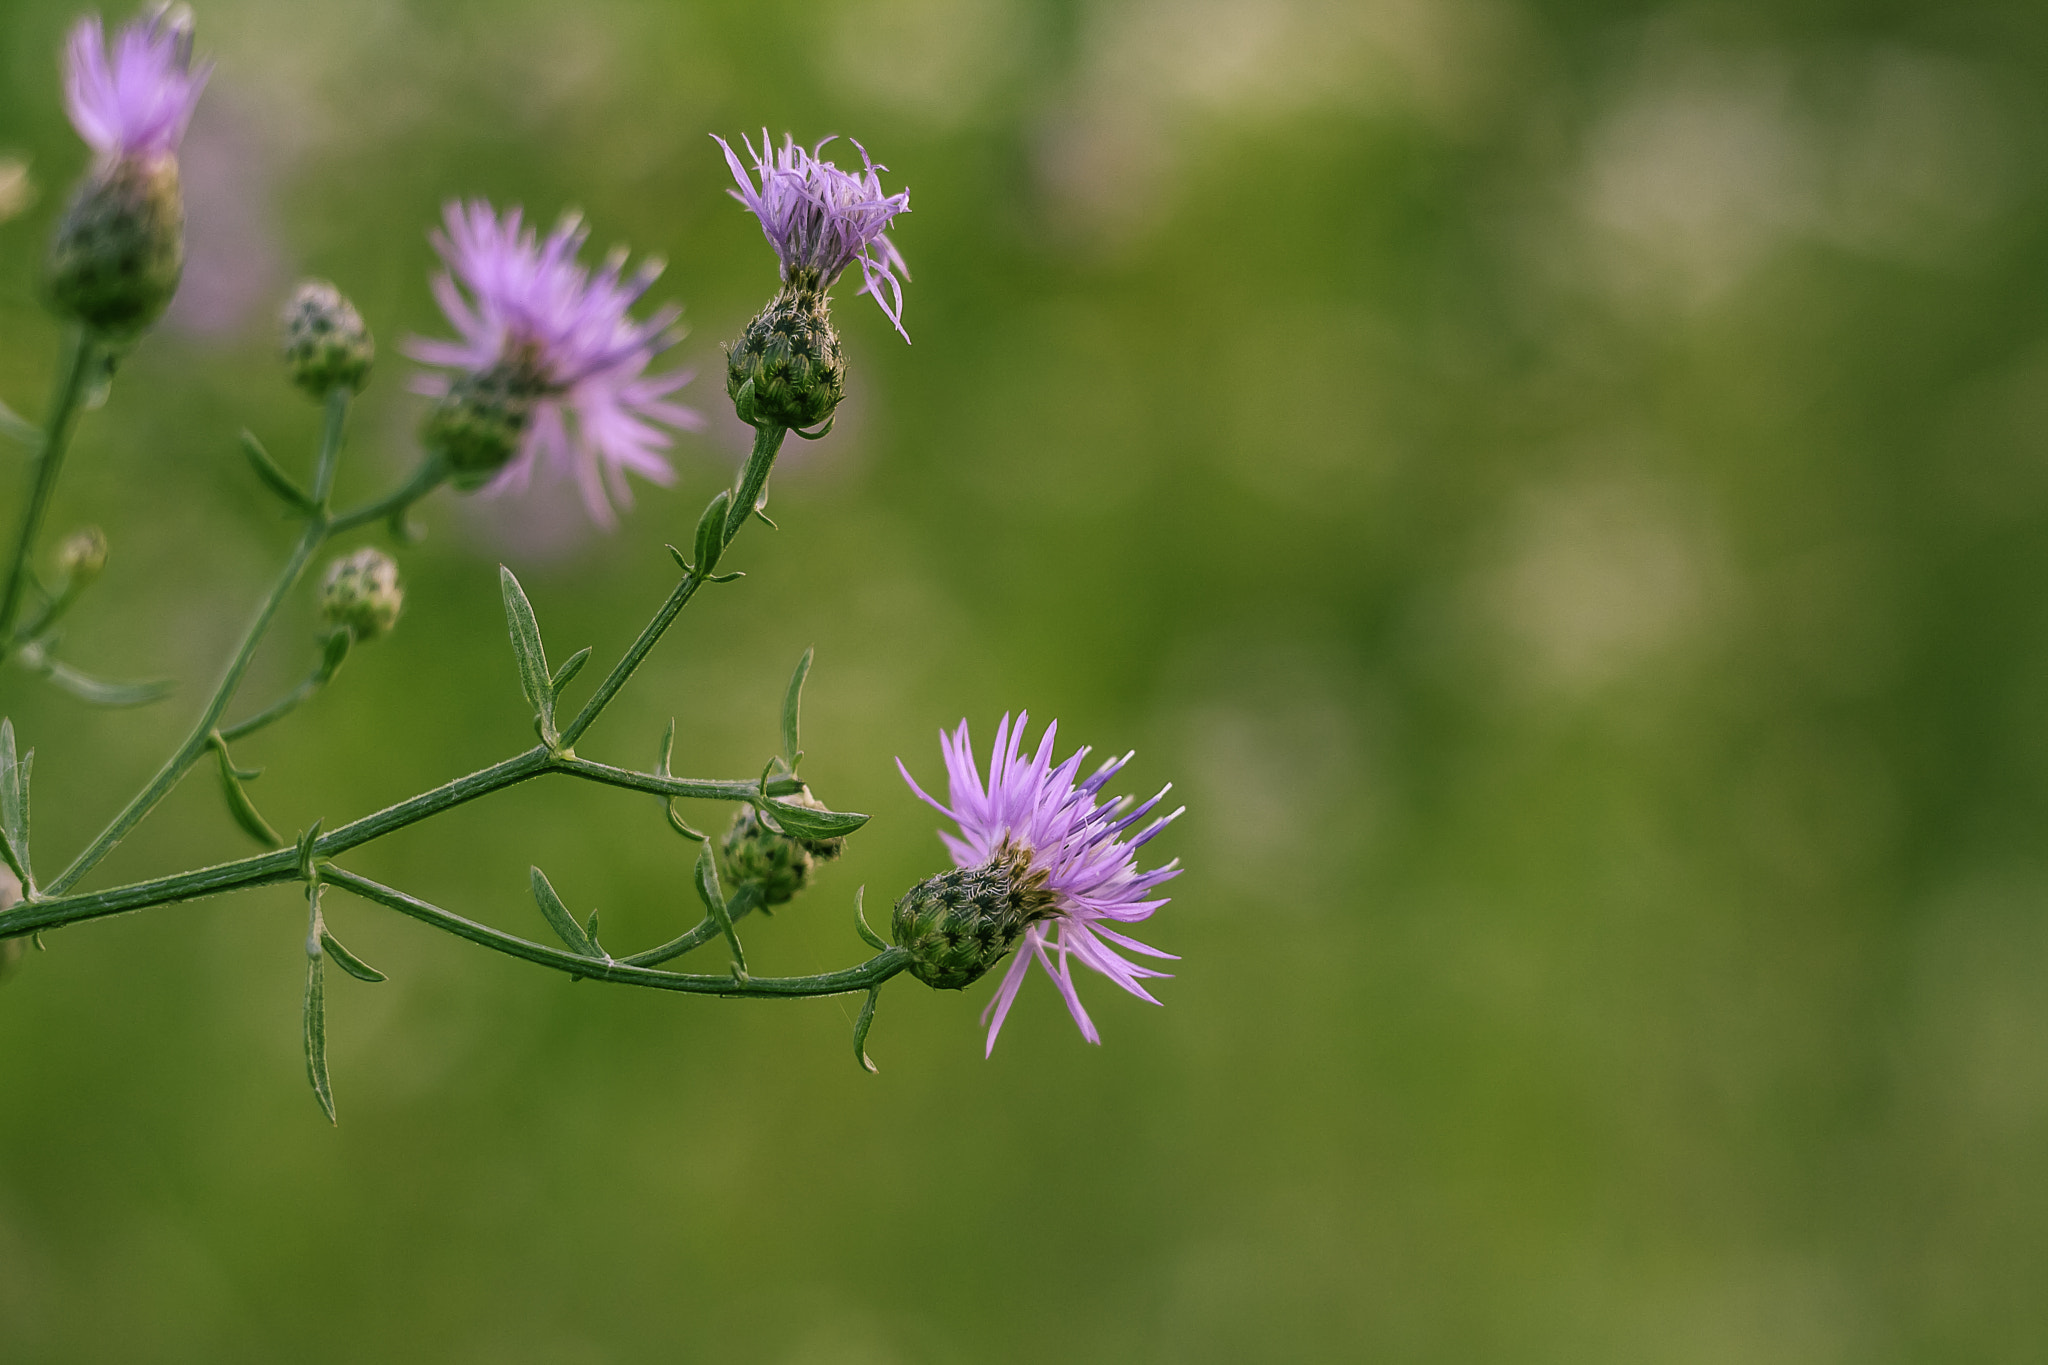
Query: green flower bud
x=479, y=422
x=82, y=556
x=120, y=246
x=960, y=923
x=786, y=370
x=361, y=594
x=756, y=850
x=326, y=344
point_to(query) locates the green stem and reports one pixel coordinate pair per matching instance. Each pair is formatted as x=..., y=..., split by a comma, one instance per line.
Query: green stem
x=767, y=440
x=865, y=977
x=279, y=709
x=330, y=446
x=431, y=474
x=708, y=928
x=81, y=356
x=200, y=737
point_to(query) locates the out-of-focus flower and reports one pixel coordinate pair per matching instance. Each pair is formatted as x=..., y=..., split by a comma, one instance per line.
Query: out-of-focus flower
x=821, y=219
x=120, y=246
x=361, y=594
x=136, y=101
x=1039, y=859
x=17, y=191
x=550, y=367
x=326, y=344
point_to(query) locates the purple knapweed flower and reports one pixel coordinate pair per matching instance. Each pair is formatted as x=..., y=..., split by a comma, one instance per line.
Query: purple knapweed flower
x=1058, y=847
x=821, y=219
x=562, y=341
x=136, y=102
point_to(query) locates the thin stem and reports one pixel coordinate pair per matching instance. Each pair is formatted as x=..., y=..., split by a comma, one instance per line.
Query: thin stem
x=708, y=928
x=767, y=440
x=330, y=446
x=81, y=356
x=197, y=741
x=431, y=474
x=657, y=785
x=865, y=977
x=280, y=708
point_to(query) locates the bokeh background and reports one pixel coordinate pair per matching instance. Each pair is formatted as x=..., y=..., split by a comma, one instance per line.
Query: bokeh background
x=1561, y=487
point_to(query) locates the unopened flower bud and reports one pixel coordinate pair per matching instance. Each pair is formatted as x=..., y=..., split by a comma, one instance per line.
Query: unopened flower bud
x=786, y=369
x=326, y=344
x=120, y=246
x=361, y=594
x=756, y=850
x=960, y=923
x=82, y=556
x=478, y=424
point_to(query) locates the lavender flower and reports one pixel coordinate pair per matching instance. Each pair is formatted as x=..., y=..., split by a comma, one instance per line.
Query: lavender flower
x=119, y=249
x=550, y=367
x=821, y=219
x=138, y=103
x=1039, y=858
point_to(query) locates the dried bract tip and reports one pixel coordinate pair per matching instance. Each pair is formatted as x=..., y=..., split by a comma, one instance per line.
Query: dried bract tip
x=326, y=344
x=361, y=594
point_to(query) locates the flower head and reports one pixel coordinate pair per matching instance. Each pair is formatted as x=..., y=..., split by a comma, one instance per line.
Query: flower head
x=136, y=101
x=550, y=346
x=821, y=219
x=1068, y=878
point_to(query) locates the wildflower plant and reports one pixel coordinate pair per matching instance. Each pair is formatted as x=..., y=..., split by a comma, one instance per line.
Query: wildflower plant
x=555, y=375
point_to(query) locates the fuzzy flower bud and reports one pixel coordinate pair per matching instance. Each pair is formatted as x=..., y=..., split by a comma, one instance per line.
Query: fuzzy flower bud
x=82, y=556
x=361, y=594
x=960, y=923
x=786, y=369
x=755, y=850
x=120, y=246
x=480, y=422
x=326, y=344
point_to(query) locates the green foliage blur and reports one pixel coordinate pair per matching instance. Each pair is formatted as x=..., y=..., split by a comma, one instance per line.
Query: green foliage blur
x=1561, y=488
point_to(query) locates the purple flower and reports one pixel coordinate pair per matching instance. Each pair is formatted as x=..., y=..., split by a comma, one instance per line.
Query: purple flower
x=821, y=219
x=526, y=305
x=137, y=103
x=1032, y=808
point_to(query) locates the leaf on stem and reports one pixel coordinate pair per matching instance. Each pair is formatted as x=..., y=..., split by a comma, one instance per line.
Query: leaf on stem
x=711, y=535
x=346, y=960
x=860, y=923
x=14, y=804
x=534, y=679
x=804, y=822
x=714, y=901
x=333, y=650
x=274, y=478
x=569, y=670
x=239, y=805
x=860, y=1030
x=559, y=918
x=792, y=706
x=101, y=692
x=314, y=1031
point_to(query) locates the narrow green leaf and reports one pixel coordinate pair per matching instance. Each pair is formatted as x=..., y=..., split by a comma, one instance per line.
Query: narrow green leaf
x=711, y=532
x=590, y=932
x=682, y=560
x=792, y=705
x=569, y=670
x=860, y=1030
x=274, y=478
x=307, y=838
x=668, y=748
x=802, y=822
x=348, y=961
x=860, y=922
x=714, y=901
x=532, y=655
x=18, y=428
x=239, y=805
x=315, y=1033
x=13, y=803
x=559, y=918
x=101, y=692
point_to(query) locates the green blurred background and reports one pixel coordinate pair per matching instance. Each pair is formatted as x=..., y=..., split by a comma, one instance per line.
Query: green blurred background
x=1561, y=488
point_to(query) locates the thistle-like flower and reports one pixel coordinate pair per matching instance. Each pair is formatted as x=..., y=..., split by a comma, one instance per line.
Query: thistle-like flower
x=120, y=246
x=551, y=367
x=1039, y=859
x=786, y=369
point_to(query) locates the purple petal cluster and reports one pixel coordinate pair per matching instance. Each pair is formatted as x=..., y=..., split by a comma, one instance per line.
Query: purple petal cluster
x=1072, y=836
x=821, y=219
x=136, y=101
x=518, y=300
